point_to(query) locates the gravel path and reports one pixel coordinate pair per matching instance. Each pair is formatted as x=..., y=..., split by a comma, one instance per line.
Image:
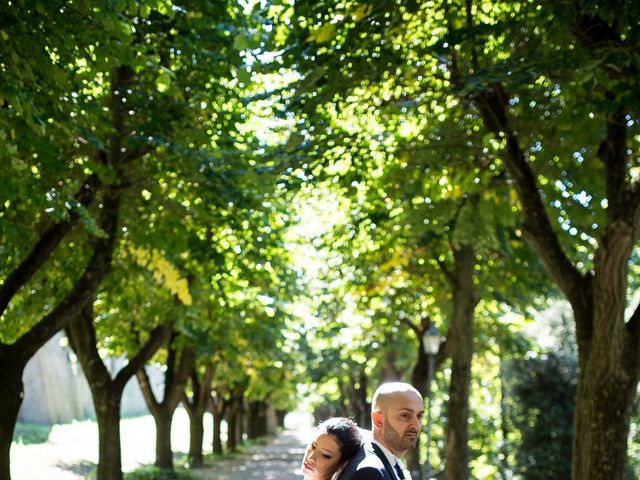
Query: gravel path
x=280, y=460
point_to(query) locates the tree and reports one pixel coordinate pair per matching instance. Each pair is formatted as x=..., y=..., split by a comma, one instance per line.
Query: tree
x=595, y=287
x=196, y=401
x=543, y=120
x=104, y=103
x=46, y=157
x=180, y=359
x=107, y=392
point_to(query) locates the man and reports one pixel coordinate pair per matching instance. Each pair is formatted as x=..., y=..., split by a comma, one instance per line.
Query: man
x=396, y=413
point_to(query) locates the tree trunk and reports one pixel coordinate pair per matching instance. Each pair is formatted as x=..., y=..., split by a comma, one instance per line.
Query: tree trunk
x=107, y=392
x=343, y=408
x=257, y=419
x=106, y=399
x=196, y=438
x=281, y=414
x=196, y=407
x=601, y=427
x=461, y=352
x=179, y=362
x=164, y=453
x=234, y=419
x=608, y=364
x=354, y=397
x=217, y=434
x=11, y=395
x=218, y=409
x=504, y=466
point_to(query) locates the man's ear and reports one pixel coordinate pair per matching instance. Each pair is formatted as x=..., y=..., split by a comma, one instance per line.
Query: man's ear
x=376, y=417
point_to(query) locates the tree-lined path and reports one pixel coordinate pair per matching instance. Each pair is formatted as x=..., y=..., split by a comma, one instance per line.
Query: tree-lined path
x=70, y=453
x=274, y=203
x=278, y=460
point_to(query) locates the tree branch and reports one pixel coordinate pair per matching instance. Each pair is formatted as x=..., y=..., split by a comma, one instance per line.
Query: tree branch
x=612, y=152
x=537, y=229
x=85, y=287
x=82, y=339
x=46, y=244
x=147, y=391
x=447, y=273
x=175, y=390
x=157, y=337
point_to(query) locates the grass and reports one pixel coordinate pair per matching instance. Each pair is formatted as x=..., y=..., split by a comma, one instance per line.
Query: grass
x=31, y=433
x=44, y=451
x=77, y=443
x=155, y=473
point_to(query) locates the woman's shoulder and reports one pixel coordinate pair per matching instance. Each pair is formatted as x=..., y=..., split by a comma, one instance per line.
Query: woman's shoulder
x=365, y=464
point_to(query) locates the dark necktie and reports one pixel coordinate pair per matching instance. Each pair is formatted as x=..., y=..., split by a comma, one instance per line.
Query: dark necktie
x=399, y=471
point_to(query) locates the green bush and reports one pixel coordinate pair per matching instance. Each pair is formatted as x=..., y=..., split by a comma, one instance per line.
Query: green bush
x=156, y=473
x=543, y=390
x=31, y=433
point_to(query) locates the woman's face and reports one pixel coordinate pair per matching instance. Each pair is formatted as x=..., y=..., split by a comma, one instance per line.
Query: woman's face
x=322, y=458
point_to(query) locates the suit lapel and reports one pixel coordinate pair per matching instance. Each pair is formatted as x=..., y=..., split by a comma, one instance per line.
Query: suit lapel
x=385, y=461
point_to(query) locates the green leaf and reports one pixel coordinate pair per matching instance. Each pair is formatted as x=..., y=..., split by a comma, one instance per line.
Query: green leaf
x=19, y=165
x=163, y=82
x=240, y=42
x=322, y=34
x=244, y=76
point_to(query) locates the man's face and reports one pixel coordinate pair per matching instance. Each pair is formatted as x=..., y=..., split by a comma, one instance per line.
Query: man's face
x=399, y=422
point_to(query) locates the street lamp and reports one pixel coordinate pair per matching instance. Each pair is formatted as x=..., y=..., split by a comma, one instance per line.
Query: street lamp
x=431, y=344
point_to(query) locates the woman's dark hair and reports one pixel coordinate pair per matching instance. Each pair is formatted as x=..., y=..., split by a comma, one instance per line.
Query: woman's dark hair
x=347, y=434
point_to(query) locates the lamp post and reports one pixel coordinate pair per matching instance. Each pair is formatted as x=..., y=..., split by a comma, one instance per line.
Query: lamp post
x=431, y=344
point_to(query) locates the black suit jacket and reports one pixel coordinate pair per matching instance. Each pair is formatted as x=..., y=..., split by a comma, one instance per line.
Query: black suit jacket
x=369, y=463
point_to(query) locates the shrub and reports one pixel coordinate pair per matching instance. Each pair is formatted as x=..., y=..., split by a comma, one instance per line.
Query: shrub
x=31, y=433
x=156, y=473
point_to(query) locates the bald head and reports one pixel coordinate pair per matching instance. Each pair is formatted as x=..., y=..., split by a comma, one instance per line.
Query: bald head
x=396, y=416
x=387, y=391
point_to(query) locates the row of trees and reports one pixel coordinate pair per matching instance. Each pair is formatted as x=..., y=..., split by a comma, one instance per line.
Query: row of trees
x=140, y=215
x=439, y=162
x=480, y=144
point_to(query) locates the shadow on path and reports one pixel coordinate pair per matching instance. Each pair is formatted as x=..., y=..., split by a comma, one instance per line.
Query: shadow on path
x=82, y=467
x=279, y=459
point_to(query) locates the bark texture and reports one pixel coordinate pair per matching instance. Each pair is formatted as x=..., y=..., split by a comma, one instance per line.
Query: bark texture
x=179, y=363
x=461, y=353
x=11, y=395
x=196, y=406
x=107, y=392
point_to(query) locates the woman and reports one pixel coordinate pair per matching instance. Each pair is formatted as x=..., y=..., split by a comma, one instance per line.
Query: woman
x=336, y=441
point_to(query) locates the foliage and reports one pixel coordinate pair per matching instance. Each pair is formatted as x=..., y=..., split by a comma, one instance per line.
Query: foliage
x=31, y=433
x=297, y=177
x=156, y=473
x=542, y=407
x=395, y=106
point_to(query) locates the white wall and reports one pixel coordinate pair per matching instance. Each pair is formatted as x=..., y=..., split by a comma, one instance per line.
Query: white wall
x=56, y=390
